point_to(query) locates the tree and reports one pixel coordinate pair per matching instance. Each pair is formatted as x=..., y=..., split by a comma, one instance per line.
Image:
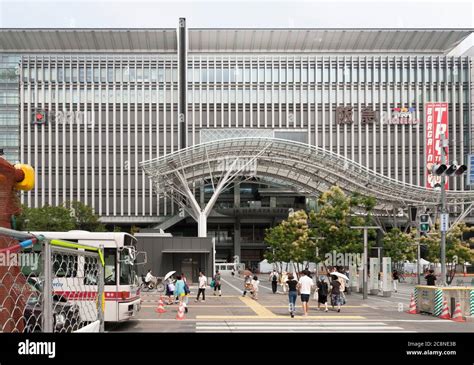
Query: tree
x=399, y=246
x=46, y=218
x=331, y=224
x=458, y=249
x=290, y=241
x=73, y=215
x=85, y=218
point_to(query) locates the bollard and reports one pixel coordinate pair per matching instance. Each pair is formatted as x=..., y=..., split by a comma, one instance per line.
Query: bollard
x=471, y=302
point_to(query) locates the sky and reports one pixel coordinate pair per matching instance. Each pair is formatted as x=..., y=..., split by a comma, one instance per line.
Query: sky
x=236, y=14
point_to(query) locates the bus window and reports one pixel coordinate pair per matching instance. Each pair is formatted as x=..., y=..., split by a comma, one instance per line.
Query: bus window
x=110, y=266
x=91, y=270
x=65, y=266
x=127, y=271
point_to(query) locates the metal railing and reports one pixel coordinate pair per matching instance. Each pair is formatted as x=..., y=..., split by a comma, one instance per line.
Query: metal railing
x=49, y=285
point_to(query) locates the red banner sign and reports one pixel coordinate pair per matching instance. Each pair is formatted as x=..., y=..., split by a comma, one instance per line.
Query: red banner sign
x=436, y=125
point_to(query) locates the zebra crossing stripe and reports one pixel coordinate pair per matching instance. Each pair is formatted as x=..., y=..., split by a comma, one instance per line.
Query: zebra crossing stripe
x=295, y=327
x=438, y=304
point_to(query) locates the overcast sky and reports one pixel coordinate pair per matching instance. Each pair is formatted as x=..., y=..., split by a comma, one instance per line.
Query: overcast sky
x=231, y=14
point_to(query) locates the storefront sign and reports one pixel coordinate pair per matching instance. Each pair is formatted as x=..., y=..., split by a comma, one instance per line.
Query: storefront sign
x=436, y=125
x=401, y=116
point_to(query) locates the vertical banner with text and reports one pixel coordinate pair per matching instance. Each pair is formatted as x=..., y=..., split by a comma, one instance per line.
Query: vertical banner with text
x=436, y=125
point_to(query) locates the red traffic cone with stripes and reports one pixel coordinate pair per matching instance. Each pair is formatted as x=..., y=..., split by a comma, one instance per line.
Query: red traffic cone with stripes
x=180, y=315
x=412, y=309
x=445, y=312
x=457, y=315
x=161, y=306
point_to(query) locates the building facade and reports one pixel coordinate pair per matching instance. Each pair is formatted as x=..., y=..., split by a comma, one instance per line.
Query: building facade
x=112, y=100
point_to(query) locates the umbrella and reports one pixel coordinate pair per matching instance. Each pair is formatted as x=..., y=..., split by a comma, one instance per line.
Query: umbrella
x=340, y=275
x=246, y=272
x=168, y=275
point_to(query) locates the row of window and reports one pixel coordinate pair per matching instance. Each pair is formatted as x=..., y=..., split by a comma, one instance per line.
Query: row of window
x=222, y=75
x=228, y=96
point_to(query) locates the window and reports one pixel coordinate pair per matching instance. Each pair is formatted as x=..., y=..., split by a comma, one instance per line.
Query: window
x=81, y=75
x=75, y=74
x=110, y=75
x=89, y=74
x=64, y=266
x=96, y=74
x=110, y=268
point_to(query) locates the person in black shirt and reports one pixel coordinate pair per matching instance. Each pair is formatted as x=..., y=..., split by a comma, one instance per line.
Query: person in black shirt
x=395, y=279
x=292, y=293
x=430, y=278
x=322, y=293
x=336, y=293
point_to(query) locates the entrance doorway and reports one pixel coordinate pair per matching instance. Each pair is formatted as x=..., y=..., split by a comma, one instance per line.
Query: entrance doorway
x=189, y=265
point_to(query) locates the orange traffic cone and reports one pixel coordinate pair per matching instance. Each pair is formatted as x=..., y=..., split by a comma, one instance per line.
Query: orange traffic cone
x=412, y=309
x=457, y=315
x=445, y=312
x=180, y=315
x=161, y=307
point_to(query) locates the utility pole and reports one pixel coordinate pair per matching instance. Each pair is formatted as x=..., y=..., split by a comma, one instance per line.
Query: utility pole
x=366, y=254
x=444, y=144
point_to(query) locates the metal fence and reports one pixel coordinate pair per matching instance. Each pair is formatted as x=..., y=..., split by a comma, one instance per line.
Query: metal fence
x=72, y=274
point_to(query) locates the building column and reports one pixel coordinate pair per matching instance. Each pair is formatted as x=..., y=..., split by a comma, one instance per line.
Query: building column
x=273, y=202
x=237, y=194
x=182, y=82
x=237, y=247
x=202, y=224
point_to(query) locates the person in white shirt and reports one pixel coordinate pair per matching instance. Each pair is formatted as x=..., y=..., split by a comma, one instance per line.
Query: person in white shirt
x=202, y=287
x=254, y=291
x=305, y=285
x=148, y=277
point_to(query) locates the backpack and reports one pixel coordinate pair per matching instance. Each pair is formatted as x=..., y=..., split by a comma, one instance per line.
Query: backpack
x=275, y=277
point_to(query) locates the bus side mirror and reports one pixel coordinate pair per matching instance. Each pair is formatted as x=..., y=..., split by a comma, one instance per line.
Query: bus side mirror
x=141, y=258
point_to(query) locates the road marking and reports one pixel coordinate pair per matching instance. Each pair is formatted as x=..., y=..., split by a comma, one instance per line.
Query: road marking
x=291, y=326
x=259, y=309
x=280, y=317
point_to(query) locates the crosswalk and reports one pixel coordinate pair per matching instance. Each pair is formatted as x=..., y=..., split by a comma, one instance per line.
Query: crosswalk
x=295, y=326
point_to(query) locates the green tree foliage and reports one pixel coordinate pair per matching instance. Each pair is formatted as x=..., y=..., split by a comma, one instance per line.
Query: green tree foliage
x=400, y=246
x=46, y=218
x=85, y=218
x=290, y=241
x=71, y=216
x=332, y=223
x=457, y=247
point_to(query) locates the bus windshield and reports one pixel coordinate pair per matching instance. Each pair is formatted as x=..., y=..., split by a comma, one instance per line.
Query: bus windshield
x=127, y=268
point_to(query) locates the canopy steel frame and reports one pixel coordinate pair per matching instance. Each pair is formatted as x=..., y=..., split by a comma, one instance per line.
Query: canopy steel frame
x=310, y=169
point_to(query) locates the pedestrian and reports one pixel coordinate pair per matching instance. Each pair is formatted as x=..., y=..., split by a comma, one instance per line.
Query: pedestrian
x=247, y=284
x=170, y=288
x=217, y=283
x=180, y=291
x=202, y=287
x=274, y=279
x=323, y=291
x=336, y=293
x=233, y=272
x=283, y=281
x=395, y=278
x=304, y=285
x=342, y=281
x=254, y=291
x=430, y=278
x=292, y=293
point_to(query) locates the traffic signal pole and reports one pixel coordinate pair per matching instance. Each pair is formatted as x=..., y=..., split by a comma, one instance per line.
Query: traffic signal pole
x=443, y=211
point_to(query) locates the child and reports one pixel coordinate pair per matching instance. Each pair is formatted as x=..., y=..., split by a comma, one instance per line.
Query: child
x=254, y=291
x=170, y=291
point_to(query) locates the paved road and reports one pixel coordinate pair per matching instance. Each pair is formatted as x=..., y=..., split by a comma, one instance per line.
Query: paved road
x=233, y=313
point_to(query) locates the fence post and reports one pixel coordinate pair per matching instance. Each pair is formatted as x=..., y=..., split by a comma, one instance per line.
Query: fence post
x=47, y=288
x=101, y=294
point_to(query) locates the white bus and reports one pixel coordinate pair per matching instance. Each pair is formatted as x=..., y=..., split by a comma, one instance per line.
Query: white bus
x=122, y=293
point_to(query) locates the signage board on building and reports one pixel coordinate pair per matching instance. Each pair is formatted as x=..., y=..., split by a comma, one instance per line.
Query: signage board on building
x=436, y=124
x=401, y=116
x=470, y=175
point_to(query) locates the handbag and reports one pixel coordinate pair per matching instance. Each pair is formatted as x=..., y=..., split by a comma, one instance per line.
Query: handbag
x=186, y=289
x=213, y=283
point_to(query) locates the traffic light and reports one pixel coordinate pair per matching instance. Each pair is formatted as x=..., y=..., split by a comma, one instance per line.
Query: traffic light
x=439, y=169
x=448, y=170
x=39, y=116
x=424, y=222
